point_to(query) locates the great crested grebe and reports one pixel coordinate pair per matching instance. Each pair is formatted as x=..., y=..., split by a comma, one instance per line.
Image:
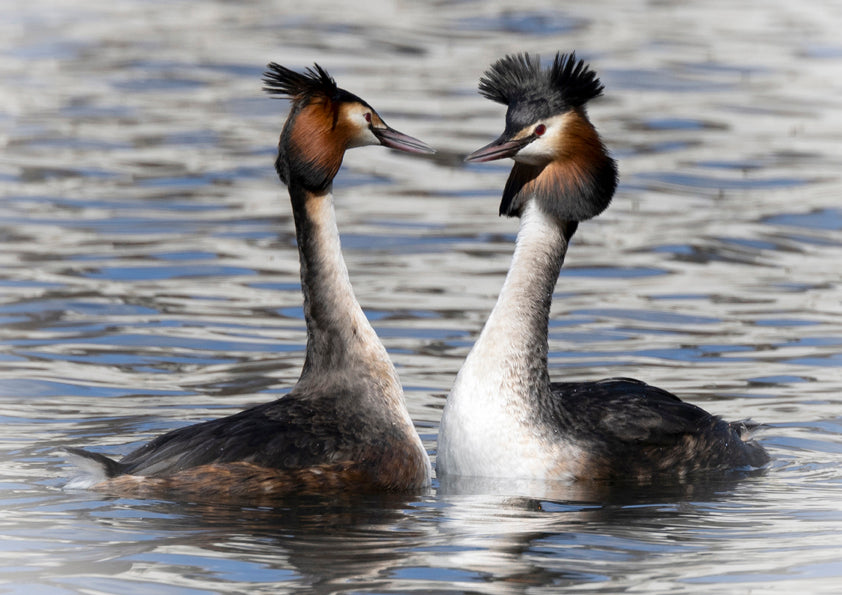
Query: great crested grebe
x=503, y=417
x=344, y=426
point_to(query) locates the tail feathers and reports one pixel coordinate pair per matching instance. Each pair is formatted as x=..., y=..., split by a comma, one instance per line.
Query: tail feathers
x=746, y=428
x=756, y=455
x=94, y=466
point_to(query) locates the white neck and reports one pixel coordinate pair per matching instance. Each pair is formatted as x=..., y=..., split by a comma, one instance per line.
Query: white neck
x=511, y=352
x=345, y=359
x=494, y=398
x=339, y=336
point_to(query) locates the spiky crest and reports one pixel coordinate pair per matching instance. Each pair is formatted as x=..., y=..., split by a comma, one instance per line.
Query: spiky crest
x=313, y=82
x=581, y=181
x=518, y=79
x=314, y=163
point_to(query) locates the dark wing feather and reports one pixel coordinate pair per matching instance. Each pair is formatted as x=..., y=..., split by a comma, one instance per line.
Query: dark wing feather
x=628, y=410
x=285, y=434
x=637, y=430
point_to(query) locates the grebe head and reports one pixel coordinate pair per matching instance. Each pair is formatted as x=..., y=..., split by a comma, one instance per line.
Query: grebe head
x=559, y=157
x=323, y=123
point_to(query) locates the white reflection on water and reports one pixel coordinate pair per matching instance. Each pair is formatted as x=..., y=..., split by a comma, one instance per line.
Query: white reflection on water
x=148, y=279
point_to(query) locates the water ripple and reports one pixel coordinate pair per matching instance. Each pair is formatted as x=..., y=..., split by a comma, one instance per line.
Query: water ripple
x=149, y=280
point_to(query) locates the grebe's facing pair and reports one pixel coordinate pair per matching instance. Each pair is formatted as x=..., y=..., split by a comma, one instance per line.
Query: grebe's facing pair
x=344, y=426
x=504, y=417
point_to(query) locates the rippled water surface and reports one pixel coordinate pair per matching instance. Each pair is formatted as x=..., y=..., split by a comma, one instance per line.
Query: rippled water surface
x=149, y=279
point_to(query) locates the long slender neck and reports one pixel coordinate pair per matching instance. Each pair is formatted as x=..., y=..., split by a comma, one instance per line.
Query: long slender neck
x=511, y=352
x=339, y=336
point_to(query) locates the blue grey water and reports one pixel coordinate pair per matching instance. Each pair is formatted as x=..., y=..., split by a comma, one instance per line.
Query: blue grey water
x=149, y=279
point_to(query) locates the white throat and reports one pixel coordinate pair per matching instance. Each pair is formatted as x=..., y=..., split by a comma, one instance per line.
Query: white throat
x=344, y=354
x=487, y=427
x=339, y=336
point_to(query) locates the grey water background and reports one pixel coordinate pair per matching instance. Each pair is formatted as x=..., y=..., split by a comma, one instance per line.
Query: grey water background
x=149, y=279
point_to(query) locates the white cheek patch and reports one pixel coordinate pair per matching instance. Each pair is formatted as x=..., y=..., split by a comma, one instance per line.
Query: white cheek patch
x=363, y=138
x=538, y=152
x=353, y=116
x=545, y=148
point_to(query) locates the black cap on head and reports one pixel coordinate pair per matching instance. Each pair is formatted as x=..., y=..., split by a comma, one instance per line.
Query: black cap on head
x=533, y=93
x=579, y=183
x=518, y=78
x=313, y=82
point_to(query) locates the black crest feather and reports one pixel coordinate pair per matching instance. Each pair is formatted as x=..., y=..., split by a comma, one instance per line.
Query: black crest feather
x=582, y=181
x=518, y=78
x=314, y=84
x=315, y=81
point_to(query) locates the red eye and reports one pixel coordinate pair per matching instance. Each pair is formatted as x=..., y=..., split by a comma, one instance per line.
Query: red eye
x=367, y=117
x=540, y=129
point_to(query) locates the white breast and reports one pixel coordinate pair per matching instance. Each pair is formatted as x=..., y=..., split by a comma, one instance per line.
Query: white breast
x=484, y=435
x=489, y=426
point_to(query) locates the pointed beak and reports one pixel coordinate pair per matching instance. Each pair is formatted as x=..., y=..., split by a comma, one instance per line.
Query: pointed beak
x=499, y=149
x=389, y=137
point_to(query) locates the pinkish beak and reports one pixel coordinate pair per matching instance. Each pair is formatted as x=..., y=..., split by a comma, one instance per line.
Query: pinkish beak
x=498, y=149
x=389, y=137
